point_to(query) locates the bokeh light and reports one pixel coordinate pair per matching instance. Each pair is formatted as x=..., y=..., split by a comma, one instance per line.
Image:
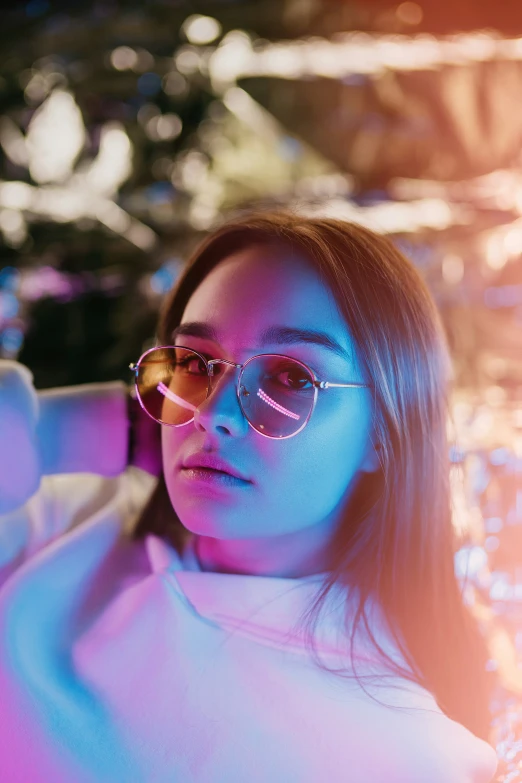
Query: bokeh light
x=201, y=29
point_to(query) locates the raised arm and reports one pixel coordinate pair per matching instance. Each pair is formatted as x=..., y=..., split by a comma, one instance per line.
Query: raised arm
x=95, y=429
x=84, y=429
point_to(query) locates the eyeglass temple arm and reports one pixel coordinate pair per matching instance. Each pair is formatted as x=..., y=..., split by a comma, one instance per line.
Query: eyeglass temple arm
x=327, y=385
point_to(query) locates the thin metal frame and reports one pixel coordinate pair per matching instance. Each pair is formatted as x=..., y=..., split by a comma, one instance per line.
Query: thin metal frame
x=209, y=364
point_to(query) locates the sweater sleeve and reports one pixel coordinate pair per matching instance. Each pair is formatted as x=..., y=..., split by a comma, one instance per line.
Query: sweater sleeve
x=83, y=429
x=61, y=452
x=62, y=503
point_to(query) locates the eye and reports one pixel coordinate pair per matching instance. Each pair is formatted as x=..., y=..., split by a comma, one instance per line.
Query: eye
x=192, y=365
x=292, y=377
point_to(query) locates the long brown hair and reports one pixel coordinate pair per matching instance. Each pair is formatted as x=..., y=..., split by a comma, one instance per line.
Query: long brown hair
x=397, y=539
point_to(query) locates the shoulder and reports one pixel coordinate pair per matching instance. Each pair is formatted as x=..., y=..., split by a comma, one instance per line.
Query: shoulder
x=428, y=745
x=438, y=749
x=452, y=754
x=442, y=750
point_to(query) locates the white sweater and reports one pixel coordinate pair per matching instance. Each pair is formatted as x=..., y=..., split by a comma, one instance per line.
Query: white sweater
x=122, y=662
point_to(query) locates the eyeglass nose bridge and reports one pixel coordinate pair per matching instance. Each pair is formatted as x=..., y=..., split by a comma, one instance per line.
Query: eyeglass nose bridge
x=210, y=369
x=212, y=362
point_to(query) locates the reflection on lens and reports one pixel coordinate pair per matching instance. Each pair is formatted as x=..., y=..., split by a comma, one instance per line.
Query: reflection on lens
x=277, y=395
x=280, y=408
x=172, y=383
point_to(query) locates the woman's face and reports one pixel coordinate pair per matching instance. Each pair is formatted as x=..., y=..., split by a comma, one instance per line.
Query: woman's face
x=280, y=519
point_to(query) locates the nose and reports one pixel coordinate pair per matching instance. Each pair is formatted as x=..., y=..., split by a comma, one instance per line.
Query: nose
x=221, y=412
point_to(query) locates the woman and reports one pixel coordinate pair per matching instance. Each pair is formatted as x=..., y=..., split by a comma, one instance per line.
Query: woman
x=285, y=607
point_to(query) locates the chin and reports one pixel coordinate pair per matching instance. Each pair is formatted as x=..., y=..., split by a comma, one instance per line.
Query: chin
x=202, y=520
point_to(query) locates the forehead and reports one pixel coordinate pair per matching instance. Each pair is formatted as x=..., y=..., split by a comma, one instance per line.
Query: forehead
x=262, y=286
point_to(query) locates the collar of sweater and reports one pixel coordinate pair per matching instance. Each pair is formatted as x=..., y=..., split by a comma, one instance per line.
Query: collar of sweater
x=271, y=609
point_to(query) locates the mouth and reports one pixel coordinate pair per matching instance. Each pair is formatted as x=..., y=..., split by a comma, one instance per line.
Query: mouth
x=212, y=476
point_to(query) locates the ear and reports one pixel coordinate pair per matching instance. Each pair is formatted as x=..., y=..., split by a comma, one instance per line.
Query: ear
x=371, y=461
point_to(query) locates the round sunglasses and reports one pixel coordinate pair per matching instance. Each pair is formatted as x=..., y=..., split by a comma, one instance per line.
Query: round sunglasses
x=276, y=393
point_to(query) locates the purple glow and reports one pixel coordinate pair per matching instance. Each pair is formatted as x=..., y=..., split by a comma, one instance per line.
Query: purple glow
x=48, y=281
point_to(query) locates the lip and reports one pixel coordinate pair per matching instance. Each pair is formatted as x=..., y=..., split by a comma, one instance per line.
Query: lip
x=213, y=462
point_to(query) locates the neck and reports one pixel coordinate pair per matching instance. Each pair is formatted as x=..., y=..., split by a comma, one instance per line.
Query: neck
x=252, y=557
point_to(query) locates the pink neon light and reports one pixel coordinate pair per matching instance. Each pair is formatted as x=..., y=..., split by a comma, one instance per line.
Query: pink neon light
x=174, y=397
x=274, y=404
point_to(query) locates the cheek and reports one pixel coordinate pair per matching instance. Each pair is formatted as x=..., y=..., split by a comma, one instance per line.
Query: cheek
x=322, y=461
x=172, y=440
x=347, y=425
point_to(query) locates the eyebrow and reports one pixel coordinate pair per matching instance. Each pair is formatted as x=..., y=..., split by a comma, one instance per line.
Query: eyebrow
x=274, y=335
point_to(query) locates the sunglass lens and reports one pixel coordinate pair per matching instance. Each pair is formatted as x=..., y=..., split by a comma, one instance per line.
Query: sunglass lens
x=276, y=395
x=172, y=383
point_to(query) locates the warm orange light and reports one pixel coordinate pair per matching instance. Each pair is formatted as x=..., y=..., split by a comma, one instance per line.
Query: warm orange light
x=409, y=13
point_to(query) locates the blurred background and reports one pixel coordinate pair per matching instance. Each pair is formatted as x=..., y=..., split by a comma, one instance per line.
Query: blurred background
x=129, y=129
